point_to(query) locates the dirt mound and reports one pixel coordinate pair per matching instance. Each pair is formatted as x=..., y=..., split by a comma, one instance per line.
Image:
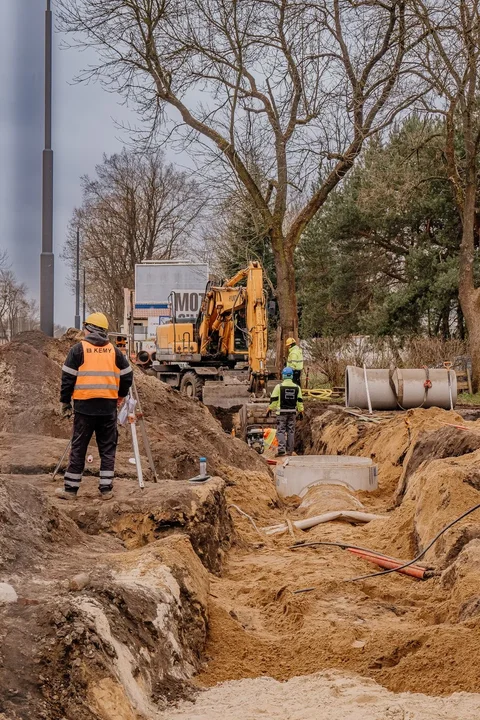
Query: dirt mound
x=441, y=491
x=461, y=581
x=30, y=525
x=29, y=392
x=180, y=430
x=444, y=443
x=55, y=348
x=254, y=491
x=386, y=442
x=117, y=648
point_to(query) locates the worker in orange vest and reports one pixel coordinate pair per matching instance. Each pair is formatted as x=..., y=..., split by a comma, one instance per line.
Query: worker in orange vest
x=96, y=375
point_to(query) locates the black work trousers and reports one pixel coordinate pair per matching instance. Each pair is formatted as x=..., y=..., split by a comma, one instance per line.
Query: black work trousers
x=286, y=432
x=297, y=377
x=106, y=435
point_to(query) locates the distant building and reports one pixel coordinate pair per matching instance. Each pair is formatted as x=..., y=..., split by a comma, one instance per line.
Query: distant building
x=162, y=289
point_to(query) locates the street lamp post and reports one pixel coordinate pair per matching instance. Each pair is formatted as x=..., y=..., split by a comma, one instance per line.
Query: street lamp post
x=84, y=293
x=47, y=257
x=77, y=284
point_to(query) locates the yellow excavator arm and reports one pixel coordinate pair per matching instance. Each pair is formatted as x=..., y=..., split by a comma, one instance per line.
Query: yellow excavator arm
x=219, y=326
x=257, y=320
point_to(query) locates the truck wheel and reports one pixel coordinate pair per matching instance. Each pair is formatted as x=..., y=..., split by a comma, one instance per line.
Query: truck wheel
x=191, y=385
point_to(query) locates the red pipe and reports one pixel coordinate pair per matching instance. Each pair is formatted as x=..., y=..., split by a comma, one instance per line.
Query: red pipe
x=390, y=563
x=376, y=554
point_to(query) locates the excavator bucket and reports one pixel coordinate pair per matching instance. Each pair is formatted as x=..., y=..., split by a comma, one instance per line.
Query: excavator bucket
x=225, y=395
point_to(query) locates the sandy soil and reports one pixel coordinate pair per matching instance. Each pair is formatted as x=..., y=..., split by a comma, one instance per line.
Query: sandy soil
x=329, y=695
x=405, y=634
x=182, y=599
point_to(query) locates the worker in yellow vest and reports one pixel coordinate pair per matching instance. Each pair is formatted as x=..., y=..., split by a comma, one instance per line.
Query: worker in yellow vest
x=286, y=401
x=295, y=359
x=96, y=375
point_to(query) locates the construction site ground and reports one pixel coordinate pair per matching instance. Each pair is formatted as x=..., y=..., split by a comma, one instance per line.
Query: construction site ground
x=170, y=603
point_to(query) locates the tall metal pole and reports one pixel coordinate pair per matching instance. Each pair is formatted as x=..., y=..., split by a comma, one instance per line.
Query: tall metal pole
x=84, y=293
x=77, y=284
x=47, y=258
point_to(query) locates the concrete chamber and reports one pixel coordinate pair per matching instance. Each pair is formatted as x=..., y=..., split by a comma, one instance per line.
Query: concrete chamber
x=298, y=473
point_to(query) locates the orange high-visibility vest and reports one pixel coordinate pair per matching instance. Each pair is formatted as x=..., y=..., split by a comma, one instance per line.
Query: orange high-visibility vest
x=99, y=376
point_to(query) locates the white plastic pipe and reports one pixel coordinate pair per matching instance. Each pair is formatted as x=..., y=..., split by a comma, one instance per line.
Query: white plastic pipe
x=308, y=523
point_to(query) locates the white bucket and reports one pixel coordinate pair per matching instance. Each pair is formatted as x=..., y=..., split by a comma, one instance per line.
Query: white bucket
x=297, y=474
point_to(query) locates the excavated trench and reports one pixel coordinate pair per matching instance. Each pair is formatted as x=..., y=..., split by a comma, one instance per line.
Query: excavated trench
x=124, y=607
x=228, y=595
x=408, y=635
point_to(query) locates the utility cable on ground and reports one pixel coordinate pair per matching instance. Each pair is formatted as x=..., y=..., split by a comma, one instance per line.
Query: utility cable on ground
x=346, y=546
x=318, y=393
x=424, y=551
x=342, y=546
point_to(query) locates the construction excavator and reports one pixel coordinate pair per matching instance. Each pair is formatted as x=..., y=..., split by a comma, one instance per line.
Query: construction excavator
x=222, y=357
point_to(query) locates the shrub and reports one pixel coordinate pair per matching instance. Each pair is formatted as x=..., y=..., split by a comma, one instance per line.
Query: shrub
x=331, y=355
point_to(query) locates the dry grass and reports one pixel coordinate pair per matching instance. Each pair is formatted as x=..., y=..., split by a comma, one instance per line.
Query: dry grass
x=331, y=355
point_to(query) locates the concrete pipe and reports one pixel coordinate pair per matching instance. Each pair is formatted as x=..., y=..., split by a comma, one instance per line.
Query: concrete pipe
x=143, y=358
x=402, y=388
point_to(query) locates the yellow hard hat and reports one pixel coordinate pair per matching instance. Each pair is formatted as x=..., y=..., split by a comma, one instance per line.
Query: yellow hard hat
x=97, y=319
x=290, y=341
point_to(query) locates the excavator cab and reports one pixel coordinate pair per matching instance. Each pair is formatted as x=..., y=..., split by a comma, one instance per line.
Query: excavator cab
x=240, y=335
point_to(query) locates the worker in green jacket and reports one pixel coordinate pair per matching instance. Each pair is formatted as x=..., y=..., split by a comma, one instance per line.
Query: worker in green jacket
x=295, y=359
x=286, y=400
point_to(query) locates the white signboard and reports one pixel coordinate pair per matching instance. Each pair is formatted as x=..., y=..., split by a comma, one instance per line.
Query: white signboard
x=187, y=303
x=155, y=282
x=153, y=323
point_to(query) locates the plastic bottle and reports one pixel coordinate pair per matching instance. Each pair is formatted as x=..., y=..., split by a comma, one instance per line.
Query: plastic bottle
x=203, y=466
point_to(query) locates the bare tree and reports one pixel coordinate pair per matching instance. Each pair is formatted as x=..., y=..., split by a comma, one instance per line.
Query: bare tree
x=235, y=233
x=302, y=83
x=450, y=58
x=17, y=311
x=136, y=208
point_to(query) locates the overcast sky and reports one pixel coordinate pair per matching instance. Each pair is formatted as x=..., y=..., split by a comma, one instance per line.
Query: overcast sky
x=84, y=128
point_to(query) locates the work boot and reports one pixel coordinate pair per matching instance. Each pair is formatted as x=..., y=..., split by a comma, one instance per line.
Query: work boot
x=108, y=495
x=280, y=454
x=63, y=494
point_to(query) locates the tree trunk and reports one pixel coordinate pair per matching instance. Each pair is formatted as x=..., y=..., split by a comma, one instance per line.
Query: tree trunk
x=460, y=323
x=469, y=295
x=286, y=294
